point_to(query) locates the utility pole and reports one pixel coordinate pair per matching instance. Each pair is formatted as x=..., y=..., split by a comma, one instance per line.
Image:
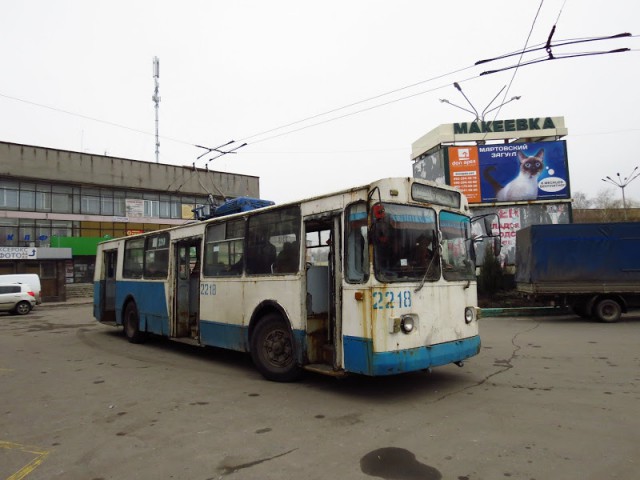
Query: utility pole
x=156, y=101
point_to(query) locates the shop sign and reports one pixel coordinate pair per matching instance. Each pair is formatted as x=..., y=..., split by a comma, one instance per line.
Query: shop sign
x=18, y=253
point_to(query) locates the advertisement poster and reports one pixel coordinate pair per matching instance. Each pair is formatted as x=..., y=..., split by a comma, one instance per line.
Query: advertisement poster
x=464, y=173
x=510, y=172
x=187, y=211
x=134, y=207
x=509, y=224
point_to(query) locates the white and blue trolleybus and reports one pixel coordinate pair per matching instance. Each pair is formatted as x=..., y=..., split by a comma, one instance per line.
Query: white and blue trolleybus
x=378, y=279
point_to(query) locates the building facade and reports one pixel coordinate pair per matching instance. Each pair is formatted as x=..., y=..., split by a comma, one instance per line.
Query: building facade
x=56, y=205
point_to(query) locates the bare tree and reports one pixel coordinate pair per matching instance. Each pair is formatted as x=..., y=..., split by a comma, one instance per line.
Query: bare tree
x=580, y=200
x=606, y=200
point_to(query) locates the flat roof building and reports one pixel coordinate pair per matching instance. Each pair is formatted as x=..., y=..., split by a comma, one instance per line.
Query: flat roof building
x=56, y=205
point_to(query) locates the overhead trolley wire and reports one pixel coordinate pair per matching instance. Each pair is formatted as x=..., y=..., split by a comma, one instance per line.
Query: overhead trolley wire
x=353, y=104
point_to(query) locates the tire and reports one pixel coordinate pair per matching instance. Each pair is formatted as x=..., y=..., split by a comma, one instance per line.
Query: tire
x=273, y=350
x=22, y=308
x=131, y=324
x=608, y=310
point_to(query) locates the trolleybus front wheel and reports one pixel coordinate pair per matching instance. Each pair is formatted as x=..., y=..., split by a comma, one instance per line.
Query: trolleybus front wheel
x=131, y=324
x=273, y=350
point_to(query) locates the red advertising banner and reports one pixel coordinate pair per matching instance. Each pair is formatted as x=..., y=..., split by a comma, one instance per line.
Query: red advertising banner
x=464, y=171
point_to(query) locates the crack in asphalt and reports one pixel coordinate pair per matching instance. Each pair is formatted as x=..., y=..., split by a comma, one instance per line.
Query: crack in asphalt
x=229, y=469
x=506, y=362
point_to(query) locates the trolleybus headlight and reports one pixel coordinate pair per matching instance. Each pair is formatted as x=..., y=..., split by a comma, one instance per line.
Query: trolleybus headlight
x=407, y=324
x=469, y=315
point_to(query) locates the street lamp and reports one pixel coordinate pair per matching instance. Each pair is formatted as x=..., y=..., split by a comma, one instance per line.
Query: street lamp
x=479, y=116
x=444, y=100
x=622, y=183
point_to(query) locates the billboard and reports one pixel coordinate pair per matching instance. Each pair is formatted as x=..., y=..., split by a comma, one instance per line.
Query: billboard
x=517, y=217
x=430, y=167
x=510, y=172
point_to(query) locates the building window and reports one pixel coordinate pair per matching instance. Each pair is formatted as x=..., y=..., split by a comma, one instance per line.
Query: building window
x=76, y=200
x=61, y=202
x=8, y=194
x=119, y=207
x=106, y=207
x=43, y=233
x=90, y=205
x=151, y=208
x=43, y=201
x=48, y=270
x=9, y=232
x=26, y=233
x=27, y=197
x=62, y=228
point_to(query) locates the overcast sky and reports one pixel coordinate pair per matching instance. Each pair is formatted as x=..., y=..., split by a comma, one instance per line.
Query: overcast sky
x=77, y=75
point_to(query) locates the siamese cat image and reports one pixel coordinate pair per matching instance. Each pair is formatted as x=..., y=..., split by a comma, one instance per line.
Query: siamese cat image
x=525, y=185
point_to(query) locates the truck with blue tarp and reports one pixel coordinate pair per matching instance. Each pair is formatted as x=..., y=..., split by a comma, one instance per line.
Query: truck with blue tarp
x=593, y=267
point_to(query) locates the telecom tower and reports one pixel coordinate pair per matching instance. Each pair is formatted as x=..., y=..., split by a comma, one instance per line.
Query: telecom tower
x=156, y=100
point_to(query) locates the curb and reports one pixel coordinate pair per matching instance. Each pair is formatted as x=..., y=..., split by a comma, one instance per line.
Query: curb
x=69, y=303
x=523, y=311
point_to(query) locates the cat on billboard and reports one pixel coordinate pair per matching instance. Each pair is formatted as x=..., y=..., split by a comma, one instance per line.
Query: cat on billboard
x=523, y=171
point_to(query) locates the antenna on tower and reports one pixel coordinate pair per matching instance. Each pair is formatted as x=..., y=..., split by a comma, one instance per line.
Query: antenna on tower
x=156, y=100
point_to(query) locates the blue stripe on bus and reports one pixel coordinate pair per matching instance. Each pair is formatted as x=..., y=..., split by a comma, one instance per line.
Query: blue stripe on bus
x=97, y=301
x=224, y=335
x=151, y=301
x=360, y=358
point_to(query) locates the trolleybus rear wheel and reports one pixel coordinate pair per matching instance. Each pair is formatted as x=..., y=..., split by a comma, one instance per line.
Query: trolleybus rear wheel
x=273, y=350
x=131, y=324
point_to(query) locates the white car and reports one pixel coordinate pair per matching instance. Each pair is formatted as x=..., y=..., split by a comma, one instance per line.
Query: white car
x=30, y=279
x=16, y=298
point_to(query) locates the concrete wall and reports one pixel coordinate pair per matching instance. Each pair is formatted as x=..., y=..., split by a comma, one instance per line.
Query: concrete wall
x=598, y=215
x=45, y=164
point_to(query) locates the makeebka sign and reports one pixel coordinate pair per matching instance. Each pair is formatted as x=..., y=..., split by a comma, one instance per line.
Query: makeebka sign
x=511, y=172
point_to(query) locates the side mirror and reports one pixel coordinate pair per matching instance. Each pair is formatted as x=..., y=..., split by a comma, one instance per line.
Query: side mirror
x=488, y=224
x=497, y=245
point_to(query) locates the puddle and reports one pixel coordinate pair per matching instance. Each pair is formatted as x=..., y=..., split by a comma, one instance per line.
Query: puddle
x=397, y=464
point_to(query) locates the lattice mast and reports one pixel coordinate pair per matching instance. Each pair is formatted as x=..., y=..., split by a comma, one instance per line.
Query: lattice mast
x=156, y=101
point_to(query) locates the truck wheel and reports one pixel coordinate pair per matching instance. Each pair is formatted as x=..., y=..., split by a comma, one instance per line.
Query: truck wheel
x=131, y=324
x=273, y=350
x=608, y=310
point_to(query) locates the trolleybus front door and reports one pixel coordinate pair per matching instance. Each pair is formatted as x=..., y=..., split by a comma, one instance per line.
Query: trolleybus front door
x=323, y=279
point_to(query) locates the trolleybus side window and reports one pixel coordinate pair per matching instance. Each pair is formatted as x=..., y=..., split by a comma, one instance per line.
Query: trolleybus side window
x=133, y=258
x=223, y=255
x=156, y=256
x=272, y=243
x=357, y=248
